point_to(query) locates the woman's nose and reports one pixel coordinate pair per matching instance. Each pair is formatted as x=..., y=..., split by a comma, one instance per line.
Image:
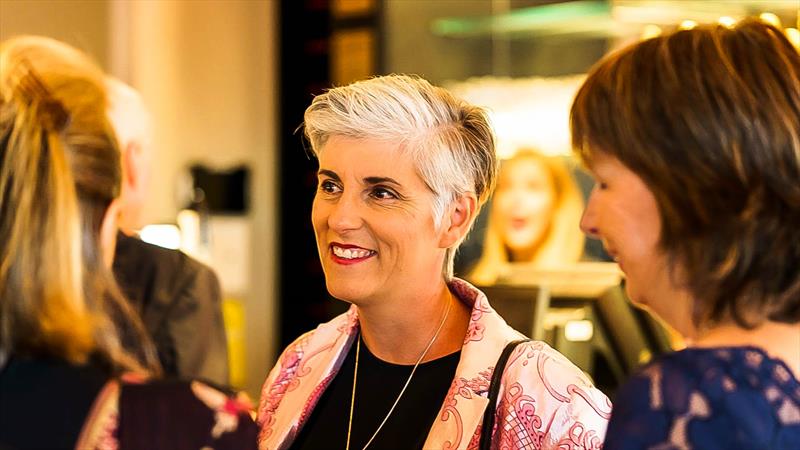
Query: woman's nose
x=344, y=215
x=589, y=221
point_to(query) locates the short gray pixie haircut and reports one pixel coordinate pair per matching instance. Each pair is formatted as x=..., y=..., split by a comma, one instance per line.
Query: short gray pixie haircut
x=450, y=141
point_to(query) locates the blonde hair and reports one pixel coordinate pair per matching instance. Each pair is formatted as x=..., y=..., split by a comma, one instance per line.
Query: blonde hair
x=451, y=141
x=59, y=171
x=563, y=241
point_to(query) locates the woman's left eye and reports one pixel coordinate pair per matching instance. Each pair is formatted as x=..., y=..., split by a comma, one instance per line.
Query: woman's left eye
x=382, y=193
x=328, y=187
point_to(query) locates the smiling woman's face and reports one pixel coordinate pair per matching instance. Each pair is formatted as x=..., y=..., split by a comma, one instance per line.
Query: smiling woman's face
x=373, y=221
x=523, y=204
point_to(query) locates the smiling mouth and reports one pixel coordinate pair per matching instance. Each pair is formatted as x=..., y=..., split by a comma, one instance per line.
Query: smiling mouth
x=517, y=224
x=350, y=254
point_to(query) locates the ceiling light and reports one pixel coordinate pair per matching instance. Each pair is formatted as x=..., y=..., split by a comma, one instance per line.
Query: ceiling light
x=794, y=35
x=651, y=31
x=771, y=19
x=727, y=21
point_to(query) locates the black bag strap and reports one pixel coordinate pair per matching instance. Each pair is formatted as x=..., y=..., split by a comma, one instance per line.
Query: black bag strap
x=494, y=390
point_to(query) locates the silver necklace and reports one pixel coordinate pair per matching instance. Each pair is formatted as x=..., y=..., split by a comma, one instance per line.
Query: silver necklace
x=402, y=391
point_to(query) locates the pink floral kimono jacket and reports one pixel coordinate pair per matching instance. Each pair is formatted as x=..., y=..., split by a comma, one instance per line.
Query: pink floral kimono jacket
x=544, y=402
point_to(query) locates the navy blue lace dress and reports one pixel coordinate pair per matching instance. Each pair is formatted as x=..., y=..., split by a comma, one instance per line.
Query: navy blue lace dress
x=713, y=398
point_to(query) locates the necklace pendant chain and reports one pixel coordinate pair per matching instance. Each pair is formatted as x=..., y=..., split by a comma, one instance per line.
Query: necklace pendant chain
x=402, y=391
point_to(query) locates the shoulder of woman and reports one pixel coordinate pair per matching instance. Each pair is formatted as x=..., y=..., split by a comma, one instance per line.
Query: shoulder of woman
x=718, y=390
x=285, y=368
x=294, y=351
x=538, y=369
x=323, y=342
x=537, y=360
x=648, y=402
x=566, y=411
x=311, y=341
x=699, y=377
x=670, y=385
x=683, y=370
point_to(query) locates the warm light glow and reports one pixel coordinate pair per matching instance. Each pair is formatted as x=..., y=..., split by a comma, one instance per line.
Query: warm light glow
x=727, y=21
x=687, y=25
x=770, y=18
x=162, y=235
x=794, y=36
x=525, y=112
x=579, y=330
x=651, y=31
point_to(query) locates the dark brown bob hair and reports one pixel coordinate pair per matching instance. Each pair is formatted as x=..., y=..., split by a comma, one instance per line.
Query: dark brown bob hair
x=709, y=118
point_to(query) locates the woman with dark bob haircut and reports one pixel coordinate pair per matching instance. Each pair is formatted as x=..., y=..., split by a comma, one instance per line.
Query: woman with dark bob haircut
x=693, y=139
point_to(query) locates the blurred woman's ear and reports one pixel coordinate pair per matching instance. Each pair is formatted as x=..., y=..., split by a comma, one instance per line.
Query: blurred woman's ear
x=108, y=231
x=457, y=222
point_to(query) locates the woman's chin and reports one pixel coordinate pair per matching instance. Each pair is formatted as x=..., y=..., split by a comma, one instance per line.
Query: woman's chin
x=346, y=293
x=635, y=295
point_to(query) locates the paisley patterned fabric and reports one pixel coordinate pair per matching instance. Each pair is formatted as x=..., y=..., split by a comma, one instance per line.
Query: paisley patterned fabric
x=709, y=398
x=546, y=402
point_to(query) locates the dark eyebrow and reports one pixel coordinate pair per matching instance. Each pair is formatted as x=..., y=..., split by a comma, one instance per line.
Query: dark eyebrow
x=381, y=180
x=368, y=180
x=330, y=174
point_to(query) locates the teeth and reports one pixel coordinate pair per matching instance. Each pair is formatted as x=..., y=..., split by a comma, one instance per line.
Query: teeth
x=350, y=253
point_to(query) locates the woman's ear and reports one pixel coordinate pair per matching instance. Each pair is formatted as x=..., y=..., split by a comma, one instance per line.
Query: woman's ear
x=133, y=185
x=108, y=232
x=458, y=220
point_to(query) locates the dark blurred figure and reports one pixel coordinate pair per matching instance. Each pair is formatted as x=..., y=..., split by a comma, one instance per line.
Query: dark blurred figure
x=178, y=298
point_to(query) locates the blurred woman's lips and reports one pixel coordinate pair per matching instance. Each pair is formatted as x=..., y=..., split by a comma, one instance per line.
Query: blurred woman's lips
x=347, y=254
x=518, y=223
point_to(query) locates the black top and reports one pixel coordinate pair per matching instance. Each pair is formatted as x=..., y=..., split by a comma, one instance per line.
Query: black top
x=44, y=402
x=378, y=384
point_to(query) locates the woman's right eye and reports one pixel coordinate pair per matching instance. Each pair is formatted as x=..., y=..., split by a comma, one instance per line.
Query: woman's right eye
x=328, y=187
x=599, y=184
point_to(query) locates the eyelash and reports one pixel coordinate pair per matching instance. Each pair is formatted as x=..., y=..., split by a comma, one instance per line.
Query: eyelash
x=378, y=192
x=328, y=186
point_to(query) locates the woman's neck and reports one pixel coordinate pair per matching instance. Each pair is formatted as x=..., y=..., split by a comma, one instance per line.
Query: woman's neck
x=779, y=340
x=525, y=254
x=399, y=330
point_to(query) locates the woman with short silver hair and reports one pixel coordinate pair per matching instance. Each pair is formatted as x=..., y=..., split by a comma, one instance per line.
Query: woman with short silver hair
x=404, y=168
